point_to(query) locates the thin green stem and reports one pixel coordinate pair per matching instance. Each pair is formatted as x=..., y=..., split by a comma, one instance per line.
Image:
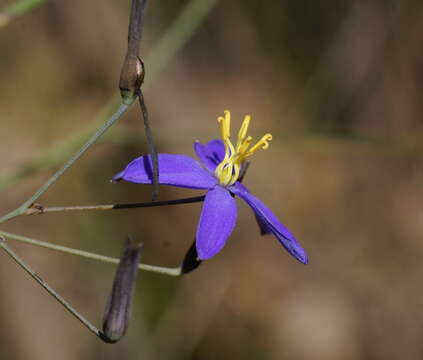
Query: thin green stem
x=152, y=268
x=71, y=208
x=55, y=154
x=16, y=9
x=49, y=289
x=100, y=131
x=116, y=116
x=43, y=210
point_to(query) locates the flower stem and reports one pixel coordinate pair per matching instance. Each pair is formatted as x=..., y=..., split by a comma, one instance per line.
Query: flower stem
x=49, y=289
x=189, y=200
x=100, y=131
x=107, y=259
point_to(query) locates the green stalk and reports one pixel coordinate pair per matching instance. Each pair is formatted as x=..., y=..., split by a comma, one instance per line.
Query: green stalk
x=107, y=259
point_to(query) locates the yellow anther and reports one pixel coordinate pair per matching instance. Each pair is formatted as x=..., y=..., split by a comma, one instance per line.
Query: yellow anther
x=225, y=125
x=263, y=143
x=229, y=169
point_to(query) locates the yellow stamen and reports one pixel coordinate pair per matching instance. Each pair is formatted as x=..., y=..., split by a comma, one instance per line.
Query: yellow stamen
x=263, y=143
x=242, y=150
x=229, y=169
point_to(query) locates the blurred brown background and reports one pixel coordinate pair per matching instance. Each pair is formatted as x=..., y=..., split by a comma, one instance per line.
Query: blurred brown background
x=337, y=83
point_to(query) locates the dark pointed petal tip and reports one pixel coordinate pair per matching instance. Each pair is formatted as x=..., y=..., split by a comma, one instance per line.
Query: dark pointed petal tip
x=302, y=258
x=118, y=177
x=292, y=246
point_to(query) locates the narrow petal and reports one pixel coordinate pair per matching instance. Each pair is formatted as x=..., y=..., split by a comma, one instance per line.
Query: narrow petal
x=264, y=229
x=210, y=154
x=285, y=237
x=175, y=170
x=217, y=220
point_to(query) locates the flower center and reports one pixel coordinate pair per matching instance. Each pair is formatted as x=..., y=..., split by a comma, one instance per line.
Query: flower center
x=228, y=171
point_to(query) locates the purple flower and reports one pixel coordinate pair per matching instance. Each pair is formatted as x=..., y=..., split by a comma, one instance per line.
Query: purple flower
x=217, y=172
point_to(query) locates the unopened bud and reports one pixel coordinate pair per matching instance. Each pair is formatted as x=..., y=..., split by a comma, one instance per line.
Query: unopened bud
x=118, y=308
x=131, y=78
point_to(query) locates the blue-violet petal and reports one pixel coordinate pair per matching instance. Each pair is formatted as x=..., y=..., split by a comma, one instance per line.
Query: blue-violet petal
x=285, y=237
x=264, y=229
x=210, y=154
x=217, y=220
x=175, y=170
